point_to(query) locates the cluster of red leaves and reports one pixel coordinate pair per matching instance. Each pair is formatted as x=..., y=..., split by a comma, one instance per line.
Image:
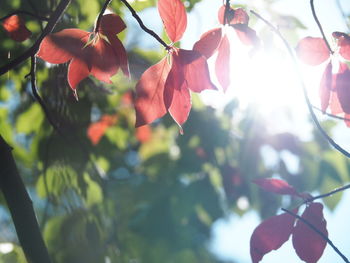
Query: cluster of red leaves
x=272, y=233
x=216, y=41
x=99, y=53
x=16, y=29
x=165, y=87
x=334, y=87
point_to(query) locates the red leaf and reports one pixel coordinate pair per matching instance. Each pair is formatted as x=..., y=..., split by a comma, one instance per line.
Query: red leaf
x=143, y=133
x=180, y=105
x=308, y=244
x=222, y=64
x=62, y=46
x=195, y=70
x=208, y=42
x=270, y=235
x=149, y=102
x=77, y=71
x=325, y=87
x=97, y=130
x=342, y=87
x=275, y=186
x=247, y=35
x=312, y=50
x=111, y=24
x=173, y=14
x=120, y=54
x=343, y=43
x=221, y=15
x=234, y=16
x=16, y=29
x=335, y=104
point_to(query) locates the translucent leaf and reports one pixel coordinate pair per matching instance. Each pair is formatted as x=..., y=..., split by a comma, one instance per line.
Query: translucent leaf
x=312, y=50
x=325, y=87
x=208, y=42
x=276, y=186
x=222, y=64
x=16, y=29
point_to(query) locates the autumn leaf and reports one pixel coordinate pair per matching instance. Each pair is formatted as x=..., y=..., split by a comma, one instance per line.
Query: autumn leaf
x=276, y=186
x=308, y=244
x=143, y=133
x=97, y=129
x=344, y=44
x=270, y=235
x=16, y=29
x=173, y=14
x=88, y=53
x=342, y=87
x=312, y=50
x=325, y=87
x=209, y=42
x=222, y=64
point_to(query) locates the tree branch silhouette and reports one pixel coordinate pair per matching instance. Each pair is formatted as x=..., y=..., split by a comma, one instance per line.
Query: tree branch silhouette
x=318, y=232
x=302, y=84
x=329, y=193
x=331, y=115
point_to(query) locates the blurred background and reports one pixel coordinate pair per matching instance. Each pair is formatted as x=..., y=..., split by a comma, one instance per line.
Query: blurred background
x=107, y=192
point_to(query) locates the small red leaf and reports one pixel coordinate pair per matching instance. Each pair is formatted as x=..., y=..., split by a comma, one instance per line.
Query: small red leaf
x=343, y=43
x=16, y=29
x=270, y=235
x=275, y=186
x=97, y=129
x=62, y=46
x=222, y=64
x=149, y=103
x=180, y=105
x=234, y=16
x=312, y=50
x=195, y=70
x=208, y=42
x=325, y=87
x=120, y=54
x=77, y=71
x=308, y=244
x=111, y=24
x=221, y=15
x=173, y=14
x=143, y=133
x=342, y=87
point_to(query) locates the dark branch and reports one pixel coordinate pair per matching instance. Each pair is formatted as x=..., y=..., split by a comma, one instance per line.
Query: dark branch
x=142, y=25
x=302, y=84
x=329, y=194
x=320, y=26
x=33, y=49
x=104, y=7
x=227, y=9
x=22, y=12
x=318, y=232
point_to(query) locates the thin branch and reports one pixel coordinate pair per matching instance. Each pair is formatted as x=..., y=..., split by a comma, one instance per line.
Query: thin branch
x=331, y=115
x=34, y=48
x=142, y=25
x=22, y=12
x=320, y=26
x=329, y=194
x=318, y=232
x=302, y=84
x=104, y=7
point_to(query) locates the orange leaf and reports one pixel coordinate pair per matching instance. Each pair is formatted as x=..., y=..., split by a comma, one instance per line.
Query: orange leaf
x=16, y=29
x=143, y=133
x=222, y=64
x=312, y=50
x=173, y=14
x=308, y=244
x=97, y=129
x=149, y=102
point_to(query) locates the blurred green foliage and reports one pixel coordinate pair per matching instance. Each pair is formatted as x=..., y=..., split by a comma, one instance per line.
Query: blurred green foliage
x=128, y=199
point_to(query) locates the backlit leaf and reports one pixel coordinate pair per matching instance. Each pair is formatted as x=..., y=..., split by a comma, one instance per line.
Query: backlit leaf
x=208, y=42
x=342, y=87
x=308, y=244
x=275, y=186
x=222, y=64
x=312, y=50
x=343, y=43
x=325, y=87
x=173, y=14
x=16, y=29
x=270, y=235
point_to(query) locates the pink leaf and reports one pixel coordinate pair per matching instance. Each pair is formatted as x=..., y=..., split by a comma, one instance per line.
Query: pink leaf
x=342, y=87
x=312, y=50
x=270, y=235
x=173, y=14
x=343, y=43
x=325, y=87
x=180, y=105
x=247, y=35
x=16, y=29
x=208, y=42
x=149, y=102
x=221, y=15
x=275, y=186
x=234, y=16
x=222, y=64
x=308, y=244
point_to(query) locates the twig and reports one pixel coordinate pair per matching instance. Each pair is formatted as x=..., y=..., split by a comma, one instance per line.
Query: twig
x=318, y=232
x=104, y=7
x=34, y=48
x=329, y=194
x=302, y=84
x=320, y=26
x=142, y=25
x=22, y=12
x=331, y=115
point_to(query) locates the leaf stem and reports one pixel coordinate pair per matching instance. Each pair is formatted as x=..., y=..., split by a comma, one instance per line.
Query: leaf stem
x=320, y=26
x=142, y=25
x=98, y=22
x=34, y=48
x=302, y=84
x=318, y=232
